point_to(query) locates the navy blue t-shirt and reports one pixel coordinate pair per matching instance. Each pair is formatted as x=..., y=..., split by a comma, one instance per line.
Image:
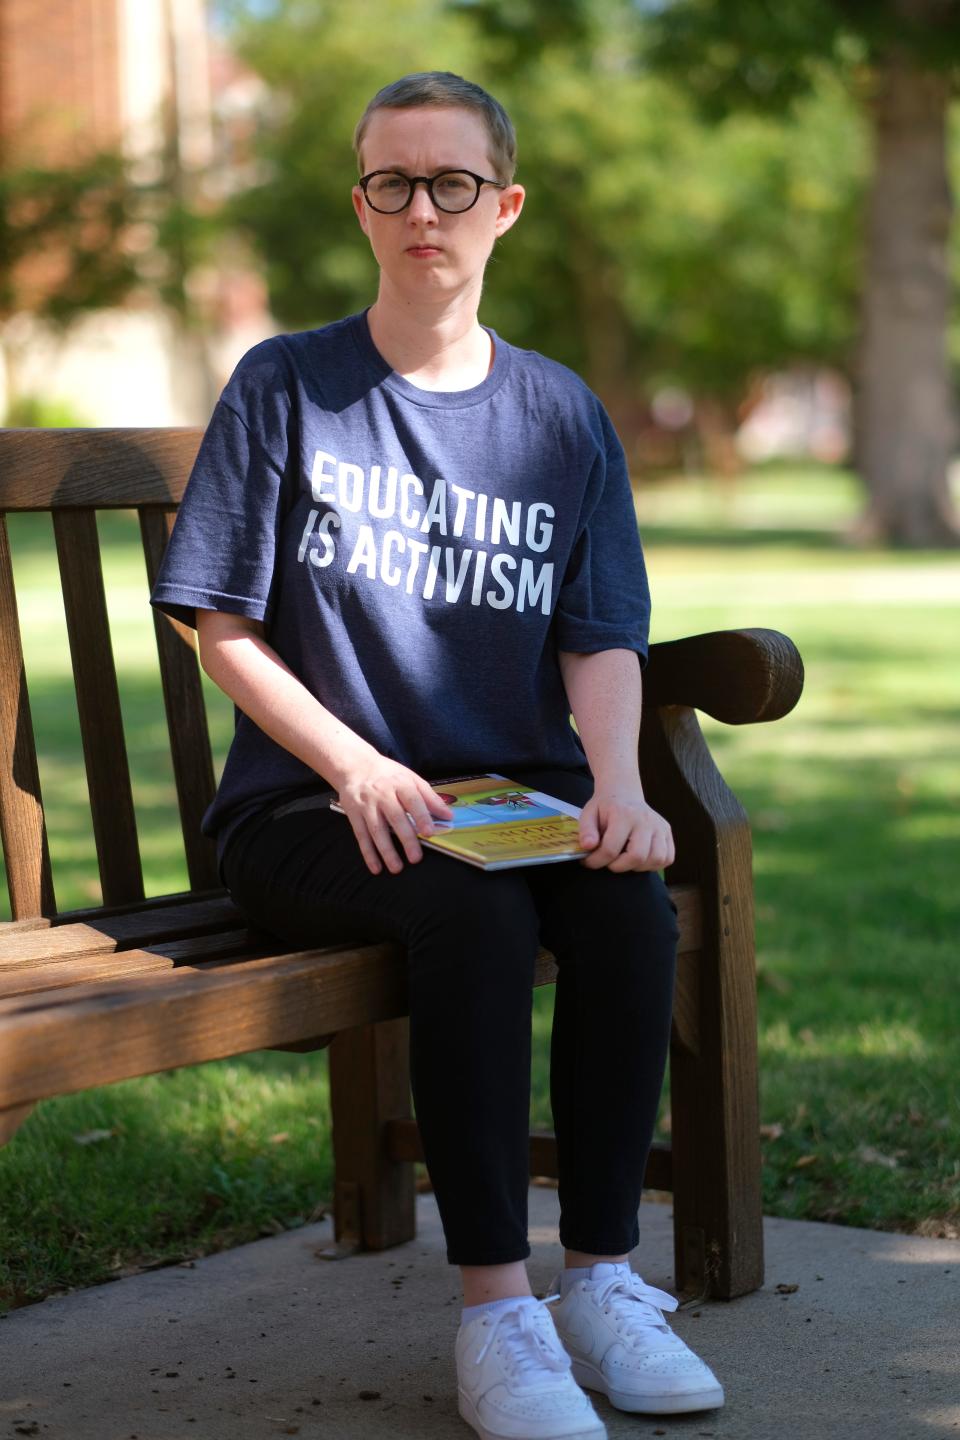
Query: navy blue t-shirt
x=418, y=558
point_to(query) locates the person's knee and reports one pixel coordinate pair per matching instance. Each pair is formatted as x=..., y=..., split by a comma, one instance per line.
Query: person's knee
x=650, y=928
x=631, y=923
x=637, y=899
x=657, y=912
x=490, y=925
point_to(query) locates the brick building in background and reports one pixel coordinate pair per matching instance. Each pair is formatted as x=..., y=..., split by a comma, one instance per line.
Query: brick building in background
x=134, y=76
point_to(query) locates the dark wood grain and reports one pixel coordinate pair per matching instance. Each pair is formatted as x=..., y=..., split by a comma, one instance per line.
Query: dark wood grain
x=22, y=826
x=73, y=1038
x=369, y=1086
x=34, y=979
x=49, y=972
x=737, y=676
x=186, y=713
x=715, y=1131
x=102, y=469
x=98, y=703
x=130, y=922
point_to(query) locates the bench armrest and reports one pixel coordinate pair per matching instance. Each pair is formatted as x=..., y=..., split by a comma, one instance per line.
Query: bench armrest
x=737, y=676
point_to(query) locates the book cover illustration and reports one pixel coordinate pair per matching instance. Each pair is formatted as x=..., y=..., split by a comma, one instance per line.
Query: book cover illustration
x=498, y=823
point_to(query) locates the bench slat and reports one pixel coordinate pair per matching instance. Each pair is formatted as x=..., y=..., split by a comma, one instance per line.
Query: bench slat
x=102, y=934
x=107, y=469
x=134, y=923
x=69, y=1039
x=22, y=825
x=98, y=701
x=30, y=978
x=186, y=713
x=92, y=969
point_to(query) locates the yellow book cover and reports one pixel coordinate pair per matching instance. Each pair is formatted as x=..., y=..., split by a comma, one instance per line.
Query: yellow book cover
x=499, y=823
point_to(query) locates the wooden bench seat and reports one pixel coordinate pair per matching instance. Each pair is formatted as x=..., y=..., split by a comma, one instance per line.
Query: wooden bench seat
x=140, y=985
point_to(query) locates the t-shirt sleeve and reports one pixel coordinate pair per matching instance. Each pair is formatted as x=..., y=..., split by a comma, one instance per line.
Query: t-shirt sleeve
x=222, y=551
x=604, y=598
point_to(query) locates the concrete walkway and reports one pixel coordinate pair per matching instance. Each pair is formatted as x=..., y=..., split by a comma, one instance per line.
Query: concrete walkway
x=271, y=1340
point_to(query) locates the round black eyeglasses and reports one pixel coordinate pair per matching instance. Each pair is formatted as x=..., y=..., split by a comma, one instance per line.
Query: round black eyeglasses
x=454, y=191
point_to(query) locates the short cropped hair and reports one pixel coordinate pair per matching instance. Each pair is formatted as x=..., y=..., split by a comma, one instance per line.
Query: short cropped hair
x=442, y=87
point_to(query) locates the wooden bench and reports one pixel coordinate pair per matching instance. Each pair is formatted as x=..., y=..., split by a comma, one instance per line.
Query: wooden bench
x=138, y=985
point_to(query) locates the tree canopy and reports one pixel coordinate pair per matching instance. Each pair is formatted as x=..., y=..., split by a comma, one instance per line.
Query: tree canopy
x=900, y=61
x=654, y=246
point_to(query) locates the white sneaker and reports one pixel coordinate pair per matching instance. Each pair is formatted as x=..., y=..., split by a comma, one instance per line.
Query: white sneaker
x=514, y=1378
x=613, y=1328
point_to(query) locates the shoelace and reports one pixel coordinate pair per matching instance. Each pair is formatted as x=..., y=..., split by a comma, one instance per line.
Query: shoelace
x=528, y=1350
x=643, y=1307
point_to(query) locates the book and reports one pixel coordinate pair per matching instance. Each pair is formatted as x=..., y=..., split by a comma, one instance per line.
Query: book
x=499, y=823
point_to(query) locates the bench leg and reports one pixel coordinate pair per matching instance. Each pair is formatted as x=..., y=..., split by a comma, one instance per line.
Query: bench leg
x=11, y=1120
x=715, y=1131
x=374, y=1196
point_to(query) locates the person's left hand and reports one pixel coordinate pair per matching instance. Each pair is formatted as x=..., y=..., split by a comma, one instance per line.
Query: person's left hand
x=622, y=832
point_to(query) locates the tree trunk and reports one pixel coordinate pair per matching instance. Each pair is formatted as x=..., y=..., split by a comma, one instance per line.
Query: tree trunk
x=905, y=422
x=604, y=326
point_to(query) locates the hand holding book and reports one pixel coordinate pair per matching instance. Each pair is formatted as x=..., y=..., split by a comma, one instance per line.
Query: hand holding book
x=497, y=824
x=388, y=805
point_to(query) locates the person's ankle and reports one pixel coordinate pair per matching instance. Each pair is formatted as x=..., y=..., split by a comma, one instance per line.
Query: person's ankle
x=483, y=1283
x=584, y=1259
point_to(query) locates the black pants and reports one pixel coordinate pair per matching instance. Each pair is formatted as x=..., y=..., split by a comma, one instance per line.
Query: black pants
x=471, y=940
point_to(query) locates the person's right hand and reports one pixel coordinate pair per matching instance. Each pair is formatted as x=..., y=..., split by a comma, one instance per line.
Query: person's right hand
x=385, y=802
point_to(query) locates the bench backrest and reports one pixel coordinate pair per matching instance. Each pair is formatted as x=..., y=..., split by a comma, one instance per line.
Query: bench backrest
x=72, y=474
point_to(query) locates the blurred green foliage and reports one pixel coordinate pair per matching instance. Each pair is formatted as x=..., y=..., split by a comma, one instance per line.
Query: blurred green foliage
x=763, y=57
x=36, y=410
x=655, y=248
x=695, y=177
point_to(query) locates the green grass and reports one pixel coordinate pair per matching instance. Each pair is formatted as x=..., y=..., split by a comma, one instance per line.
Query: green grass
x=853, y=804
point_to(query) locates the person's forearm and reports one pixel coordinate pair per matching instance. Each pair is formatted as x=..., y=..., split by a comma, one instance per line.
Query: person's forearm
x=605, y=694
x=251, y=672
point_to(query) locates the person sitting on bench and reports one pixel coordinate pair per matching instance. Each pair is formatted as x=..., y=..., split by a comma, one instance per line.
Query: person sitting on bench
x=410, y=552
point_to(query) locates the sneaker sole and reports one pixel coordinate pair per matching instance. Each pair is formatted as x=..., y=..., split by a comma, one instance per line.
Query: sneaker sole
x=589, y=1377
x=468, y=1412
